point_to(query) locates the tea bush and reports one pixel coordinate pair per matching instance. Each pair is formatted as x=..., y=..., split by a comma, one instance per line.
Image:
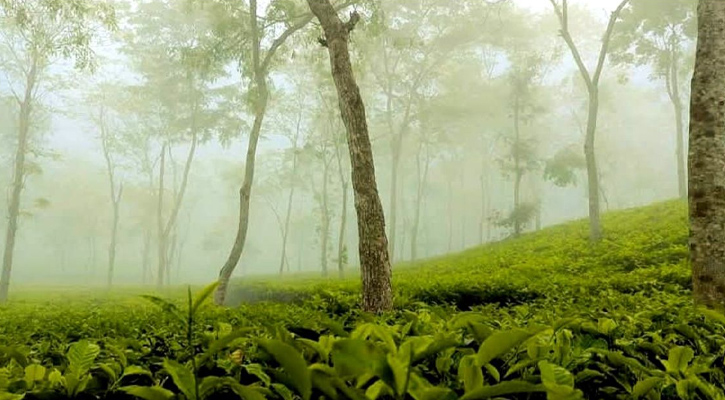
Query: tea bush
x=546, y=316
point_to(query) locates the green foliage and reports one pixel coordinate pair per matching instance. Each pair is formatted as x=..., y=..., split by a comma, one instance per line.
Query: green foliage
x=544, y=316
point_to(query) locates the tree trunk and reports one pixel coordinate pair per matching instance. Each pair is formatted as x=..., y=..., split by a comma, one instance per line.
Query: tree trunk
x=707, y=158
x=395, y=166
x=288, y=215
x=422, y=183
x=115, y=195
x=146, y=257
x=592, y=84
x=450, y=216
x=373, y=244
x=343, y=213
x=324, y=218
x=18, y=180
x=161, y=237
x=595, y=229
x=518, y=171
x=673, y=91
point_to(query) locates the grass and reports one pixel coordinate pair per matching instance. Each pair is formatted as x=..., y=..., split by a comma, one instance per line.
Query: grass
x=548, y=315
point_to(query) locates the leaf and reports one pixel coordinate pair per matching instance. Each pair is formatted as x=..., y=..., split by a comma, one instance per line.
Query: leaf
x=212, y=384
x=148, y=392
x=551, y=373
x=503, y=341
x=34, y=373
x=352, y=358
x=167, y=307
x=282, y=390
x=679, y=358
x=203, y=295
x=258, y=371
x=292, y=362
x=217, y=345
x=183, y=378
x=81, y=356
x=645, y=386
x=503, y=388
x=470, y=373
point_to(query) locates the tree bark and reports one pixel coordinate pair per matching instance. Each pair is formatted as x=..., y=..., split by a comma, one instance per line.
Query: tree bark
x=377, y=293
x=592, y=83
x=343, y=213
x=26, y=106
x=707, y=157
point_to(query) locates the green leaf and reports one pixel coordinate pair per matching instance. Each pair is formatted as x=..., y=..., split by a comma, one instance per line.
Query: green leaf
x=503, y=341
x=645, y=386
x=551, y=373
x=353, y=358
x=470, y=373
x=34, y=373
x=218, y=345
x=212, y=384
x=293, y=364
x=149, y=392
x=283, y=392
x=183, y=378
x=81, y=356
x=258, y=371
x=167, y=307
x=503, y=388
x=203, y=295
x=679, y=358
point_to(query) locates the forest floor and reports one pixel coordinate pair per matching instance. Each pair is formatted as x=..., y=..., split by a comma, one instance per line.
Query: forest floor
x=544, y=316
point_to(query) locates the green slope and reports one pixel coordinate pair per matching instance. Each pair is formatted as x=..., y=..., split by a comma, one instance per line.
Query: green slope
x=643, y=249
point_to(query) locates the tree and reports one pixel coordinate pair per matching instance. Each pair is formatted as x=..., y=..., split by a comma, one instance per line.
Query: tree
x=375, y=269
x=656, y=33
x=37, y=34
x=116, y=189
x=258, y=71
x=707, y=157
x=591, y=80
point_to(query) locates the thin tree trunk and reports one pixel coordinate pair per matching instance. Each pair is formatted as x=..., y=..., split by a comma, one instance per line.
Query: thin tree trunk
x=592, y=83
x=343, y=213
x=422, y=184
x=373, y=243
x=115, y=195
x=673, y=91
x=18, y=179
x=707, y=158
x=518, y=172
x=293, y=184
x=450, y=216
x=161, y=237
x=324, y=217
x=145, y=257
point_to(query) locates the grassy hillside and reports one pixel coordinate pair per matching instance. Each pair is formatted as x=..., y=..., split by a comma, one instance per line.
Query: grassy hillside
x=544, y=316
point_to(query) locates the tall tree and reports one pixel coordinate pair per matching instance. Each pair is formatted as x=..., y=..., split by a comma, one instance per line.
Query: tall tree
x=591, y=80
x=108, y=143
x=658, y=34
x=257, y=70
x=707, y=157
x=35, y=34
x=377, y=293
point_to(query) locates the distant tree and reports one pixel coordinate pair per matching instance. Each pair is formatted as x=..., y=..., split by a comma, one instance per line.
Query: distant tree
x=374, y=257
x=707, y=157
x=591, y=80
x=34, y=35
x=657, y=34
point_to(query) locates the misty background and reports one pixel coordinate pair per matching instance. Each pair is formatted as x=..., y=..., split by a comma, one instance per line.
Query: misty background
x=449, y=70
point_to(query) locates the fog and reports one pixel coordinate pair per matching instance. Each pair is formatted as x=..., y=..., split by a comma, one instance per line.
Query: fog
x=439, y=79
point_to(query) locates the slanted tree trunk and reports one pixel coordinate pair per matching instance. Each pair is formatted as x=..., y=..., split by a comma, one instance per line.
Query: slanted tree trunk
x=260, y=70
x=707, y=157
x=26, y=107
x=377, y=293
x=161, y=238
x=673, y=91
x=323, y=197
x=592, y=84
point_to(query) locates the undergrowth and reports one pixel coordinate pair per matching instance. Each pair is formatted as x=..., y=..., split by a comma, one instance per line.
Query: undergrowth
x=546, y=316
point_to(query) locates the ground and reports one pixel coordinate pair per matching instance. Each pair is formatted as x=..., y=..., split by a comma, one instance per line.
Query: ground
x=547, y=315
